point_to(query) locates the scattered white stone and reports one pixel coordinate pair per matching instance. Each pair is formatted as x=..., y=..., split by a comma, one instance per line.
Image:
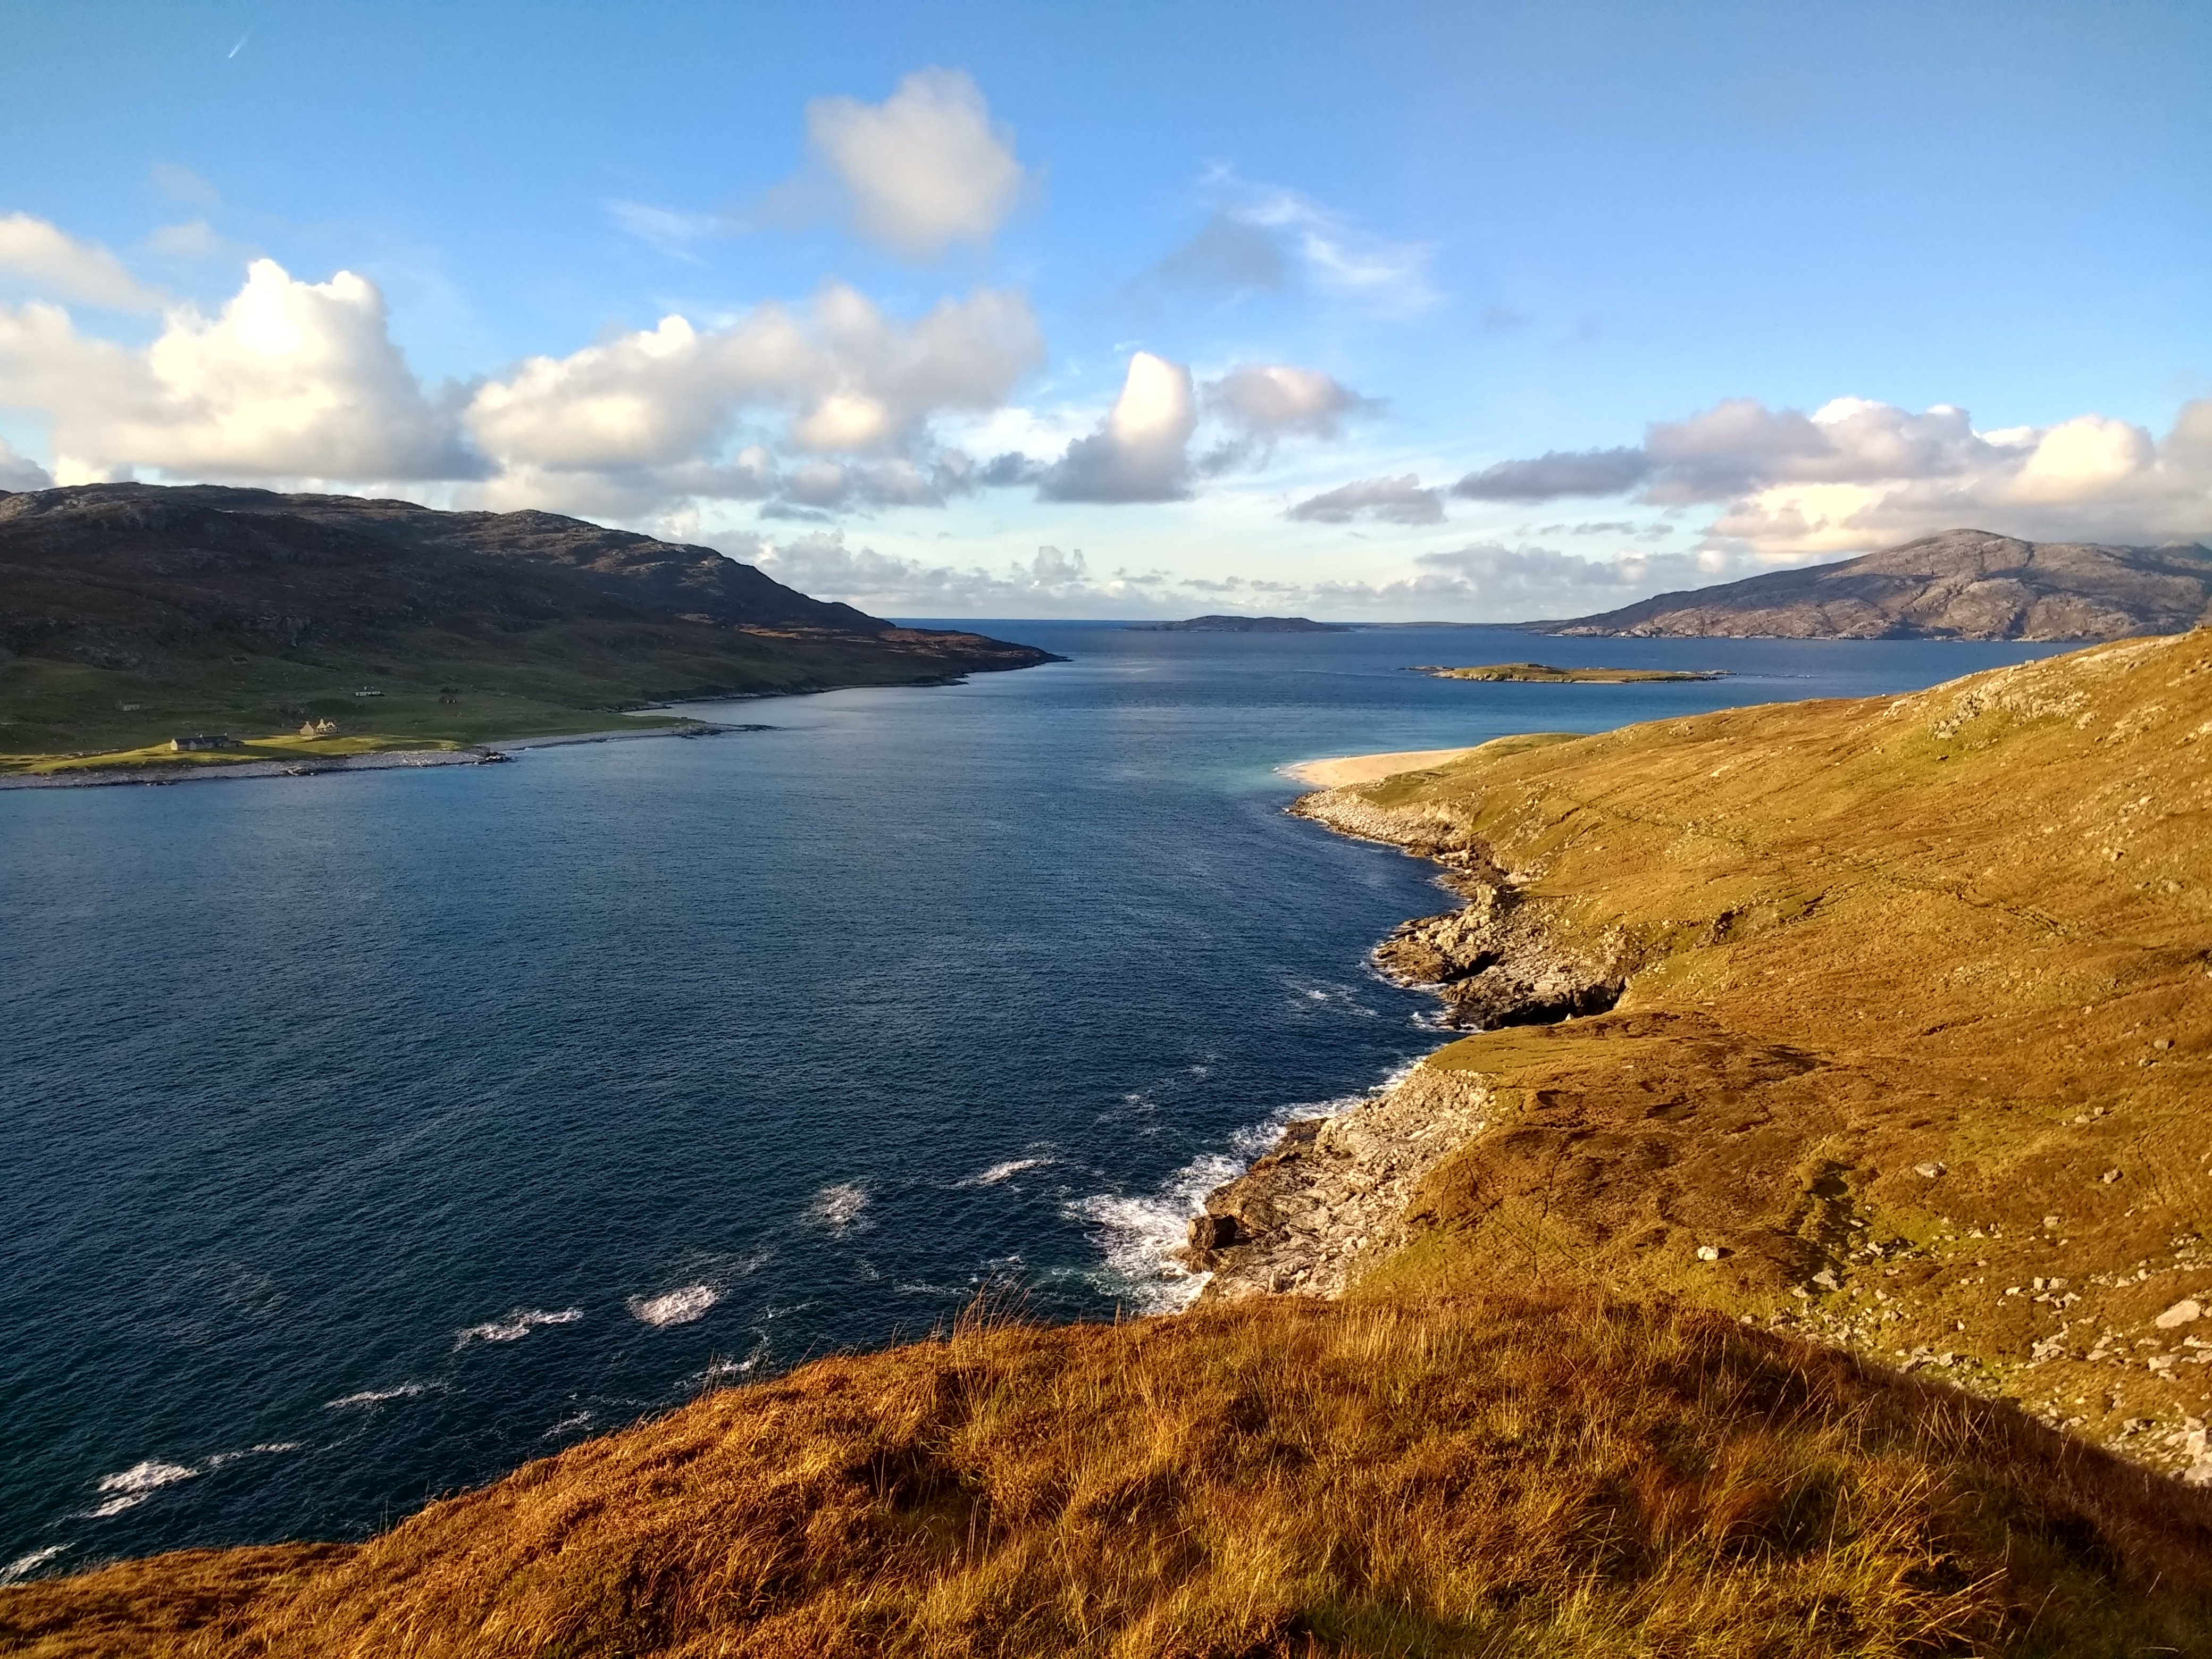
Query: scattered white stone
x=2109, y=1176
x=1928, y=1171
x=2187, y=1311
x=1710, y=1253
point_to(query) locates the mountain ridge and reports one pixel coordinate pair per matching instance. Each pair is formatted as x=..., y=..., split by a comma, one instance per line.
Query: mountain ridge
x=1957, y=583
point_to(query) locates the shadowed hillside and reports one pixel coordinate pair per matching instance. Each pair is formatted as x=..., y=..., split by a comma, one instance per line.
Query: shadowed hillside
x=131, y=612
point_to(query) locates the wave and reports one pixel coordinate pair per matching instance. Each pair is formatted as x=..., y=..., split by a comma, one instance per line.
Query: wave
x=516, y=1326
x=134, y=1486
x=1139, y=1234
x=24, y=1565
x=378, y=1396
x=999, y=1173
x=675, y=1307
x=839, y=1207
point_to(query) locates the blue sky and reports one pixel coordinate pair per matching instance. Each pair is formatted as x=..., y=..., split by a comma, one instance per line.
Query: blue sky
x=1228, y=297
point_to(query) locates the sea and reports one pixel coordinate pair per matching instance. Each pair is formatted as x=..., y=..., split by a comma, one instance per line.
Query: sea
x=367, y=1136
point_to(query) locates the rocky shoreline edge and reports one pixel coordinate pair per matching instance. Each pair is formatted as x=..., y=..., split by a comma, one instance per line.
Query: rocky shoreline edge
x=1336, y=1194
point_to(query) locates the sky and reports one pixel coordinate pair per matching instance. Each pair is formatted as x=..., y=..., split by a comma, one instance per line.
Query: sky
x=1388, y=312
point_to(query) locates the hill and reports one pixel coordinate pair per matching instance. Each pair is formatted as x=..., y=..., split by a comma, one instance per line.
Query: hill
x=1829, y=1183
x=1888, y=1022
x=1509, y=1475
x=130, y=613
x=1961, y=584
x=1241, y=625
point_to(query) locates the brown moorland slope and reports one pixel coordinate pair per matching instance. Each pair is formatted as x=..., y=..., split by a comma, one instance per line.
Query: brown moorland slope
x=1903, y=1007
x=1495, y=1475
x=1958, y=584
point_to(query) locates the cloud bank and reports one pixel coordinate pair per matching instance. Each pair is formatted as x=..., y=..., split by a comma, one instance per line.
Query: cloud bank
x=1856, y=474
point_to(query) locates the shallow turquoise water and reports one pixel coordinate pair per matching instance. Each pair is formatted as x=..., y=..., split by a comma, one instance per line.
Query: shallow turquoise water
x=369, y=1135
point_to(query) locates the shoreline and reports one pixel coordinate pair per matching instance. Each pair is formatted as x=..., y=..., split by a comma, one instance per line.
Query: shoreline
x=491, y=752
x=1336, y=1193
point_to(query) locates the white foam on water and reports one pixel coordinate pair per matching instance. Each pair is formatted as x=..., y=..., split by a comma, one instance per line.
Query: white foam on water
x=568, y=1425
x=378, y=1396
x=675, y=1307
x=516, y=1326
x=134, y=1486
x=999, y=1174
x=24, y=1565
x=1139, y=1234
x=222, y=1458
x=839, y=1207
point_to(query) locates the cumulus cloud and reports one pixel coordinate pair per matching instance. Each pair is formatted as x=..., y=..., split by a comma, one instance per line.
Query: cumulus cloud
x=1390, y=501
x=1141, y=452
x=848, y=378
x=20, y=471
x=1856, y=474
x=55, y=265
x=925, y=168
x=290, y=380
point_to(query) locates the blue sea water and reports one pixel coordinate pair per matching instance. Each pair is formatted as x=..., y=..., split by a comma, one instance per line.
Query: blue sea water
x=366, y=1136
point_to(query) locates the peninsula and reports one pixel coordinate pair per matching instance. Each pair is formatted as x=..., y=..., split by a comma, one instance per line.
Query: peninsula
x=1802, y=1254
x=1958, y=585
x=1537, y=673
x=263, y=628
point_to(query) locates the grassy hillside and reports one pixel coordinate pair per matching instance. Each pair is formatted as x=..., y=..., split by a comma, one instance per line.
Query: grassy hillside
x=1902, y=1037
x=1914, y=1025
x=130, y=614
x=1496, y=1476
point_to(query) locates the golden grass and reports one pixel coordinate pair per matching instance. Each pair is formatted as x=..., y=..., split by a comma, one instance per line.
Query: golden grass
x=1548, y=1475
x=1968, y=930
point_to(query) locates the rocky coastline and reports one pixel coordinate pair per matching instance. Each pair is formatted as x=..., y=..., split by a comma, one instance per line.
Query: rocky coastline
x=1336, y=1193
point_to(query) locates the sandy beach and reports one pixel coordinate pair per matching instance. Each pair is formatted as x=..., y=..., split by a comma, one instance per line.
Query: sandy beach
x=1335, y=771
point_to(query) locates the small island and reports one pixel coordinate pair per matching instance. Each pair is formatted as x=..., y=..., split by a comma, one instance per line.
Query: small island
x=1543, y=674
x=1241, y=625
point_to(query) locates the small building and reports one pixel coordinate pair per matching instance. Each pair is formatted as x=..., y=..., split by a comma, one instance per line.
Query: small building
x=189, y=745
x=368, y=691
x=318, y=729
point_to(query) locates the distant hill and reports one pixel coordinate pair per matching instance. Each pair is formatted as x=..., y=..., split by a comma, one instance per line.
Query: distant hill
x=1961, y=584
x=130, y=612
x=1241, y=625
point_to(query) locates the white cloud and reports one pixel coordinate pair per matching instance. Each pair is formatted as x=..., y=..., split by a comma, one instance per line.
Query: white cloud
x=1141, y=452
x=291, y=380
x=1389, y=501
x=925, y=168
x=1856, y=474
x=849, y=379
x=1261, y=238
x=20, y=471
x=55, y=265
x=1272, y=399
x=1051, y=583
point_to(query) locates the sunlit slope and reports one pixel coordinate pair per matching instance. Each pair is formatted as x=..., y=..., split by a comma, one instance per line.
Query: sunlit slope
x=1916, y=1029
x=1493, y=1476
